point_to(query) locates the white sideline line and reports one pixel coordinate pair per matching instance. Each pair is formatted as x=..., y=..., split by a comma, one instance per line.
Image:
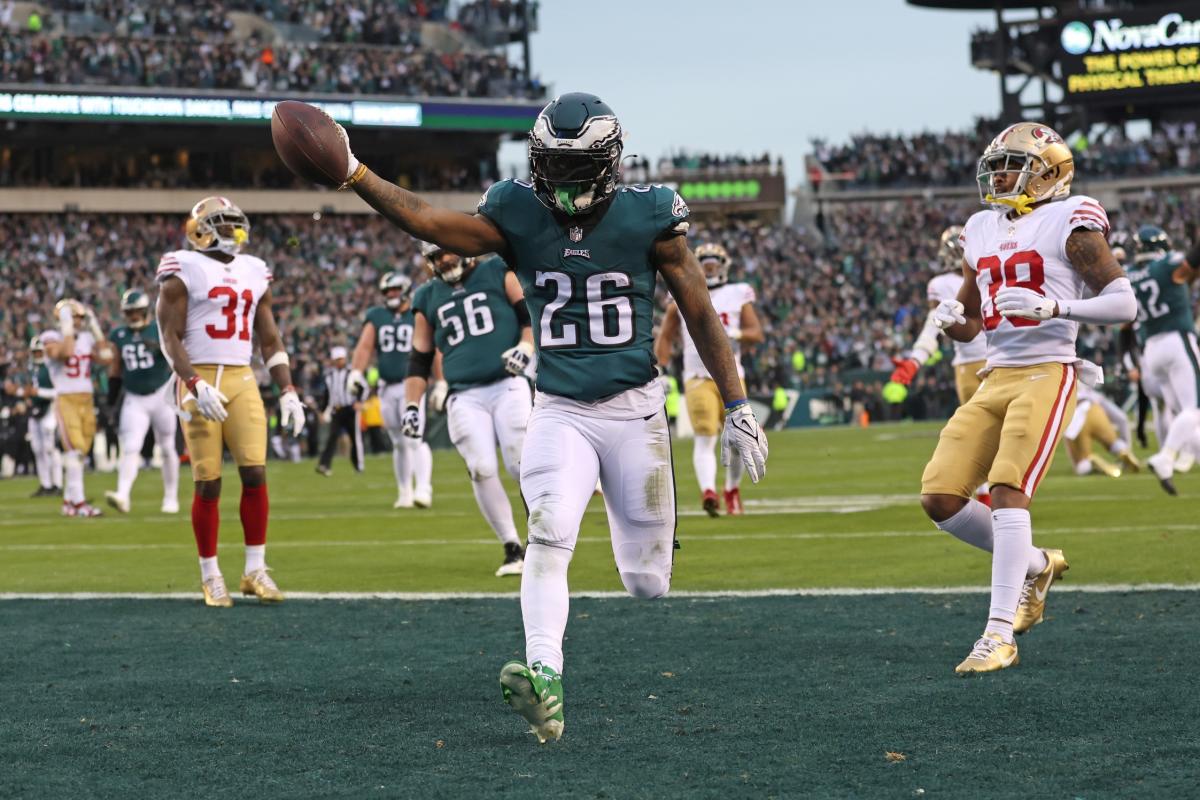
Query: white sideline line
x=491, y=542
x=1082, y=588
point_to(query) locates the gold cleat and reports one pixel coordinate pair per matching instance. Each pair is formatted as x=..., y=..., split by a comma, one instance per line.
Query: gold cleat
x=215, y=593
x=989, y=654
x=259, y=584
x=1130, y=460
x=1105, y=467
x=1033, y=593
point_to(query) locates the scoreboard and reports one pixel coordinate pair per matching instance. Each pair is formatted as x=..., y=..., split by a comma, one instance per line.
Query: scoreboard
x=1146, y=55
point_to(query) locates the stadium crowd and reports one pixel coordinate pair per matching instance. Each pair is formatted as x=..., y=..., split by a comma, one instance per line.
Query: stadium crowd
x=950, y=158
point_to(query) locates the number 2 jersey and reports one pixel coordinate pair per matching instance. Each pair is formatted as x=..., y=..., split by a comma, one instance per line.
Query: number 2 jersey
x=74, y=375
x=1163, y=305
x=222, y=301
x=727, y=301
x=1029, y=251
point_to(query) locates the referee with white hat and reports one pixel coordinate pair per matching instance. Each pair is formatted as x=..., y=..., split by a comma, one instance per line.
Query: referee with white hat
x=341, y=411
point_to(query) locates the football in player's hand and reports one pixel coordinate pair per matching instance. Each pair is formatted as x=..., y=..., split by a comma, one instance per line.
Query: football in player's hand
x=307, y=140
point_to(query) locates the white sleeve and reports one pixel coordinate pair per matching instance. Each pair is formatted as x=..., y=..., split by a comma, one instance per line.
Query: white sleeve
x=172, y=266
x=1082, y=212
x=1114, y=305
x=749, y=296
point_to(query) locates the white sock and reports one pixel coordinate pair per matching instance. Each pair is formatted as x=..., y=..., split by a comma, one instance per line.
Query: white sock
x=544, y=603
x=423, y=468
x=1118, y=447
x=1084, y=467
x=170, y=474
x=982, y=489
x=56, y=466
x=209, y=568
x=127, y=470
x=73, y=473
x=294, y=452
x=1183, y=432
x=402, y=467
x=972, y=524
x=733, y=474
x=493, y=503
x=704, y=459
x=256, y=558
x=1012, y=533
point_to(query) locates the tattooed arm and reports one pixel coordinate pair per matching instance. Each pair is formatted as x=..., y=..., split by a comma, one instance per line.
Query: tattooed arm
x=686, y=282
x=1114, y=302
x=464, y=234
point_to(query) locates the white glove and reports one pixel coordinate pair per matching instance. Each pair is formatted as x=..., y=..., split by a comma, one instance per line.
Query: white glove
x=410, y=423
x=1016, y=301
x=351, y=161
x=947, y=313
x=517, y=358
x=209, y=401
x=291, y=411
x=437, y=395
x=327, y=416
x=94, y=325
x=734, y=333
x=356, y=384
x=744, y=439
x=66, y=321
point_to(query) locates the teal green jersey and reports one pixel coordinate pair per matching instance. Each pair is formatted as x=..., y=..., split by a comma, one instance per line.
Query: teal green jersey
x=144, y=369
x=473, y=324
x=1163, y=304
x=589, y=283
x=393, y=341
x=39, y=376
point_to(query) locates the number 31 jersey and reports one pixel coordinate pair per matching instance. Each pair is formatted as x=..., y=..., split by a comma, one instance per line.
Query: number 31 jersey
x=222, y=301
x=1029, y=251
x=727, y=301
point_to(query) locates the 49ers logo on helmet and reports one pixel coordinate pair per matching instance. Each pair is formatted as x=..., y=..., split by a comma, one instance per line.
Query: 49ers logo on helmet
x=1045, y=133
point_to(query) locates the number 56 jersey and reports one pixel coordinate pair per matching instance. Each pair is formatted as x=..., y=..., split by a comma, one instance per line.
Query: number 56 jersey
x=222, y=301
x=1029, y=251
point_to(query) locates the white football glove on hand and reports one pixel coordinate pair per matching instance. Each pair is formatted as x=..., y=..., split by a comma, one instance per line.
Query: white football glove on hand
x=291, y=411
x=94, y=326
x=351, y=161
x=66, y=321
x=209, y=401
x=744, y=439
x=438, y=394
x=1016, y=301
x=356, y=384
x=947, y=313
x=517, y=358
x=410, y=423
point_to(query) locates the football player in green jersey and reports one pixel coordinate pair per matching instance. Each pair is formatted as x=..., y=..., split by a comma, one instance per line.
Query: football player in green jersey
x=588, y=254
x=387, y=332
x=1170, y=360
x=38, y=392
x=142, y=372
x=475, y=317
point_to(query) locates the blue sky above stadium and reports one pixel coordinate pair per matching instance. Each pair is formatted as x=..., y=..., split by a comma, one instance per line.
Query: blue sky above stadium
x=747, y=77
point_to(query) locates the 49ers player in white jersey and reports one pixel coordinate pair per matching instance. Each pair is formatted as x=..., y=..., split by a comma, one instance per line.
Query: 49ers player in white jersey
x=214, y=300
x=734, y=304
x=1027, y=261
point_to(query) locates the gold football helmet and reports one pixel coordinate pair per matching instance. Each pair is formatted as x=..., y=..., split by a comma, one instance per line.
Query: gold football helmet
x=1038, y=155
x=714, y=260
x=217, y=224
x=77, y=308
x=950, y=250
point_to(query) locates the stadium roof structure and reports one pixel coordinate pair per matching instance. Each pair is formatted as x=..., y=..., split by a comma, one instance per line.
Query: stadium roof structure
x=971, y=5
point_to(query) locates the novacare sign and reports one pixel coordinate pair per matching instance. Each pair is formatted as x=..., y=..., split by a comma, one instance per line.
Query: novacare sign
x=1113, y=35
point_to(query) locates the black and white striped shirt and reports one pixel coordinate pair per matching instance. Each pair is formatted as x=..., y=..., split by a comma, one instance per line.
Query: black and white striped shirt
x=335, y=388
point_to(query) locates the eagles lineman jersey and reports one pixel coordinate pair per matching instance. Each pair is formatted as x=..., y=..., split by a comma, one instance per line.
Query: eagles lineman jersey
x=473, y=324
x=589, y=287
x=393, y=342
x=1163, y=304
x=144, y=369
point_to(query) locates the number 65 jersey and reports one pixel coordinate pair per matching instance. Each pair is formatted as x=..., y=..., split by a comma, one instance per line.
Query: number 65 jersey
x=222, y=301
x=1029, y=251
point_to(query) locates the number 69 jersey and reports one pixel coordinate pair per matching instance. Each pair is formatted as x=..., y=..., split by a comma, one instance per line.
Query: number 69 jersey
x=222, y=300
x=1029, y=251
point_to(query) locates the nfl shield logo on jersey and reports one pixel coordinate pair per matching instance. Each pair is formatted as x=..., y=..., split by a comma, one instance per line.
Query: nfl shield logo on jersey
x=576, y=234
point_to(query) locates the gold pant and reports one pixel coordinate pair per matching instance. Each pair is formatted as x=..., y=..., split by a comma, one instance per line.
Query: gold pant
x=244, y=431
x=1006, y=433
x=76, y=421
x=967, y=380
x=1096, y=426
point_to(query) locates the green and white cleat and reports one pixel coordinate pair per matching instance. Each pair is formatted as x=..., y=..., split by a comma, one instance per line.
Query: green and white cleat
x=536, y=693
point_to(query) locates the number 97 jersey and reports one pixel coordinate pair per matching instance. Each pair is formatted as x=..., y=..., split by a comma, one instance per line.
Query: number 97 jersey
x=222, y=301
x=1029, y=251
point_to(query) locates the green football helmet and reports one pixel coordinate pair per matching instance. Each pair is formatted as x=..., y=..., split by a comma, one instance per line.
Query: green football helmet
x=575, y=153
x=395, y=280
x=450, y=270
x=37, y=350
x=135, y=305
x=1151, y=243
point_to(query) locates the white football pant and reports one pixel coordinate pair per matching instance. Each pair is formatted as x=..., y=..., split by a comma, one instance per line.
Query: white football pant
x=47, y=458
x=140, y=413
x=412, y=460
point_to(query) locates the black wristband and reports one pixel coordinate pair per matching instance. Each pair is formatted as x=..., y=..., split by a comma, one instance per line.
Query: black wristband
x=1193, y=256
x=420, y=364
x=522, y=311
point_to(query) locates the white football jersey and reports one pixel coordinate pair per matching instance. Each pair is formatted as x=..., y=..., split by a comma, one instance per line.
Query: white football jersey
x=945, y=287
x=73, y=376
x=727, y=300
x=1029, y=251
x=222, y=301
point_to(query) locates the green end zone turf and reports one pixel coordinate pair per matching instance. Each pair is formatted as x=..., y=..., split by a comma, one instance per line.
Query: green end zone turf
x=761, y=697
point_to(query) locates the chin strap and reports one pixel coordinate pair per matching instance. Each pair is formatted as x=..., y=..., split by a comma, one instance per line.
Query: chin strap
x=1022, y=203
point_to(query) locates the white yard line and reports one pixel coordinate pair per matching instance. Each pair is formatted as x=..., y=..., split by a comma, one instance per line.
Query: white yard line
x=1093, y=588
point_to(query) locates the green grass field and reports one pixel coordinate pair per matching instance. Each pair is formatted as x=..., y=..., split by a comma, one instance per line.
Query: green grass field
x=796, y=695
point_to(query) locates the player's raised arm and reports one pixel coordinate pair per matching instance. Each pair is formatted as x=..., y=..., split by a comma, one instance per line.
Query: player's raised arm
x=685, y=280
x=668, y=334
